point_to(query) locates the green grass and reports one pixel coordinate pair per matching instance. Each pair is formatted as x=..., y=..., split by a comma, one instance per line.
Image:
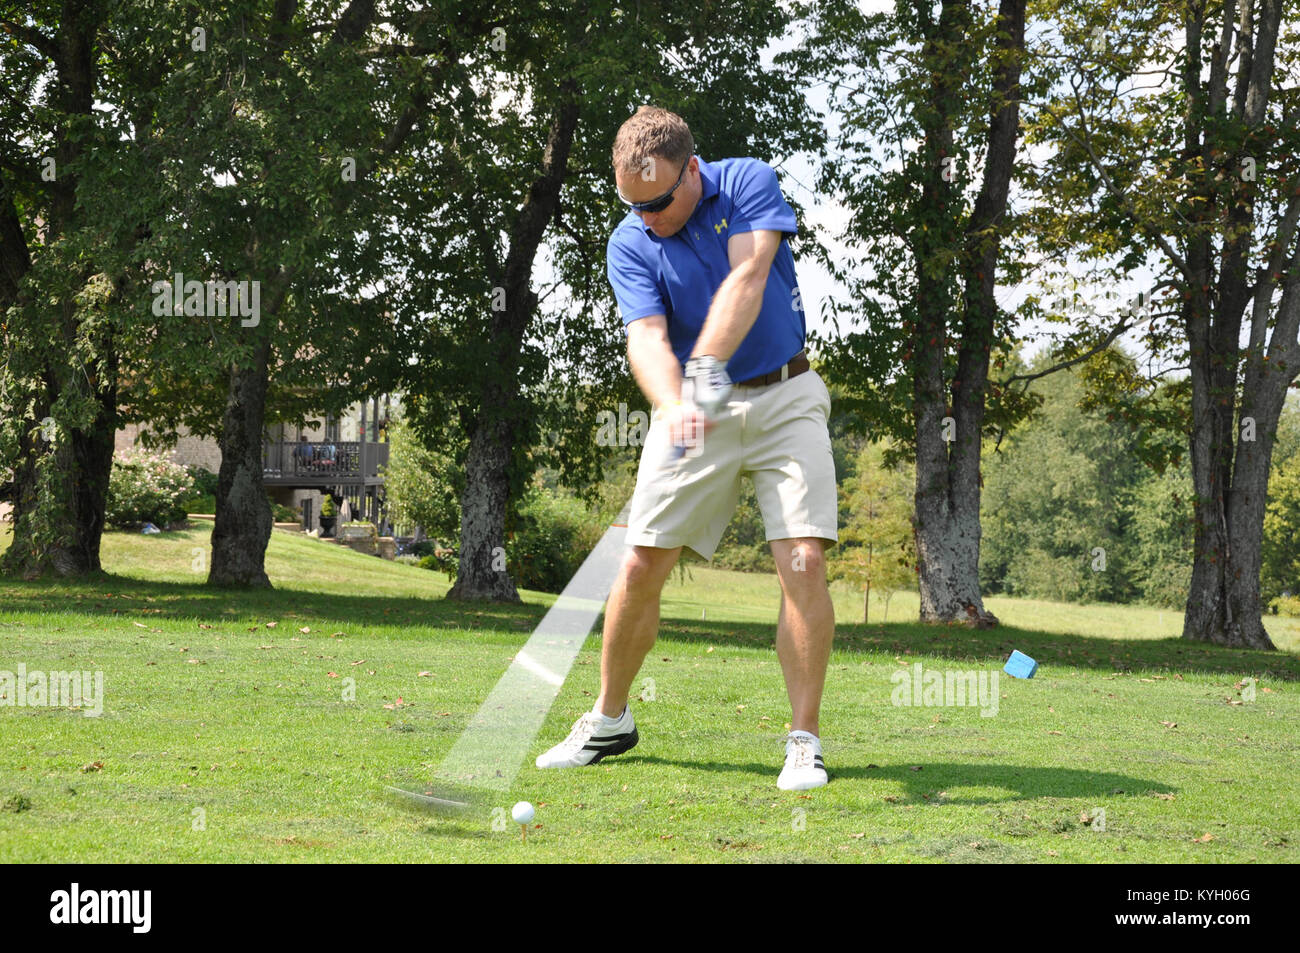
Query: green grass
x=211, y=714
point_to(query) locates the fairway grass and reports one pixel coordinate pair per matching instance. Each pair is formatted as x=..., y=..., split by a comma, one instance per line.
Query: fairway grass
x=228, y=735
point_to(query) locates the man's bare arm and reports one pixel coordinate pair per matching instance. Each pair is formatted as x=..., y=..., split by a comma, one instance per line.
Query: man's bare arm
x=739, y=298
x=654, y=365
x=659, y=375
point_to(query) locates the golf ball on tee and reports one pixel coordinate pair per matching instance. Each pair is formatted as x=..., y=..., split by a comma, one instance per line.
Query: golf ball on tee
x=522, y=812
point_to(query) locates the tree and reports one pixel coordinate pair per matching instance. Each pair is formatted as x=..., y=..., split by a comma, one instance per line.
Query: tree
x=1057, y=517
x=876, y=548
x=1280, y=563
x=1198, y=172
x=421, y=484
x=1163, y=531
x=58, y=386
x=222, y=156
x=933, y=229
x=311, y=112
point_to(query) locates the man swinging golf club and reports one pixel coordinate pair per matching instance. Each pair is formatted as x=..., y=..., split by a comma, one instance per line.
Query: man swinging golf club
x=706, y=287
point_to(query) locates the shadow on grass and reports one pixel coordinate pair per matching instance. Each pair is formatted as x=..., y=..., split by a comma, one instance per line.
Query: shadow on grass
x=982, y=647
x=141, y=600
x=921, y=781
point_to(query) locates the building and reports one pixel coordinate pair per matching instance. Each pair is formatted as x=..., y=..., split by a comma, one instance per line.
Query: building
x=342, y=455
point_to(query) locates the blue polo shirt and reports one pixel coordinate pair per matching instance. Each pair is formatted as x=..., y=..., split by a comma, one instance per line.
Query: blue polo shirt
x=677, y=276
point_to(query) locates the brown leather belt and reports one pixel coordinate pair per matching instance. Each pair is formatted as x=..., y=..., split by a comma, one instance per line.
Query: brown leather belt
x=797, y=365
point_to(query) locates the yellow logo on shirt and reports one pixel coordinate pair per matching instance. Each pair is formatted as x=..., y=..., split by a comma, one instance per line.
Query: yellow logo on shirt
x=719, y=228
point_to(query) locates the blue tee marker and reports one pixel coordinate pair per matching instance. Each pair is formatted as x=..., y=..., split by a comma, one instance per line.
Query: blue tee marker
x=1020, y=665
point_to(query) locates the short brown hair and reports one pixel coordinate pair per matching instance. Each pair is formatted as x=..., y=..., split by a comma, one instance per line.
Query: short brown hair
x=652, y=131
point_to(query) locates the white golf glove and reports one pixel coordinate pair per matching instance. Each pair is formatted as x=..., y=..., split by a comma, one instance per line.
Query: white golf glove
x=710, y=385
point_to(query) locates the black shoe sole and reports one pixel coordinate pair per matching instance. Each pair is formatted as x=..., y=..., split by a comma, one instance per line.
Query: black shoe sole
x=626, y=744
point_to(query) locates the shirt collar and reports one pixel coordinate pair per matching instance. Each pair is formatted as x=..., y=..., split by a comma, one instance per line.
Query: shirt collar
x=708, y=180
x=708, y=188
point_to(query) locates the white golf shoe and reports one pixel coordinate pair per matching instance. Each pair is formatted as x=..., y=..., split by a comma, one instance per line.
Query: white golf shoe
x=593, y=737
x=804, y=767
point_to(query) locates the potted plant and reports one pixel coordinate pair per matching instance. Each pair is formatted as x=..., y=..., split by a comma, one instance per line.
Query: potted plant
x=327, y=515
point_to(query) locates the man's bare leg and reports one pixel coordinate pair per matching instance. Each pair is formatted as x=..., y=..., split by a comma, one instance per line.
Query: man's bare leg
x=631, y=622
x=806, y=627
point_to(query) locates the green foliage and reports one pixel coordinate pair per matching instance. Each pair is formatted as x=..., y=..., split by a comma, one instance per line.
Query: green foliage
x=284, y=514
x=1056, y=506
x=1286, y=605
x=424, y=547
x=201, y=504
x=204, y=499
x=553, y=533
x=145, y=487
x=1280, y=568
x=327, y=508
x=205, y=481
x=1164, y=533
x=887, y=74
x=442, y=560
x=423, y=484
x=744, y=545
x=876, y=548
x=1287, y=442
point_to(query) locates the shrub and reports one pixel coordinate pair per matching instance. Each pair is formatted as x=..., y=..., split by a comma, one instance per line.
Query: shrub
x=554, y=533
x=425, y=547
x=203, y=498
x=200, y=504
x=1286, y=605
x=145, y=487
x=443, y=560
x=284, y=514
x=753, y=557
x=205, y=481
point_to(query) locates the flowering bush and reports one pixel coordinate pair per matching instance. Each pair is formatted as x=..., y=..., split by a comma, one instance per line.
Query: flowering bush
x=144, y=487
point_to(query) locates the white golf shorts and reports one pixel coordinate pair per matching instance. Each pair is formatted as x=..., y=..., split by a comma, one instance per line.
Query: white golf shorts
x=777, y=435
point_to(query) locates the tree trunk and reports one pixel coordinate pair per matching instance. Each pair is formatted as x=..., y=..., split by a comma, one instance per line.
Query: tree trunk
x=481, y=570
x=1223, y=602
x=242, y=526
x=948, y=473
x=1243, y=622
x=61, y=483
x=502, y=416
x=61, y=487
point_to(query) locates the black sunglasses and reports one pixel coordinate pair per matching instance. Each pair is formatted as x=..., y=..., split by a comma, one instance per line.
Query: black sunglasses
x=659, y=204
